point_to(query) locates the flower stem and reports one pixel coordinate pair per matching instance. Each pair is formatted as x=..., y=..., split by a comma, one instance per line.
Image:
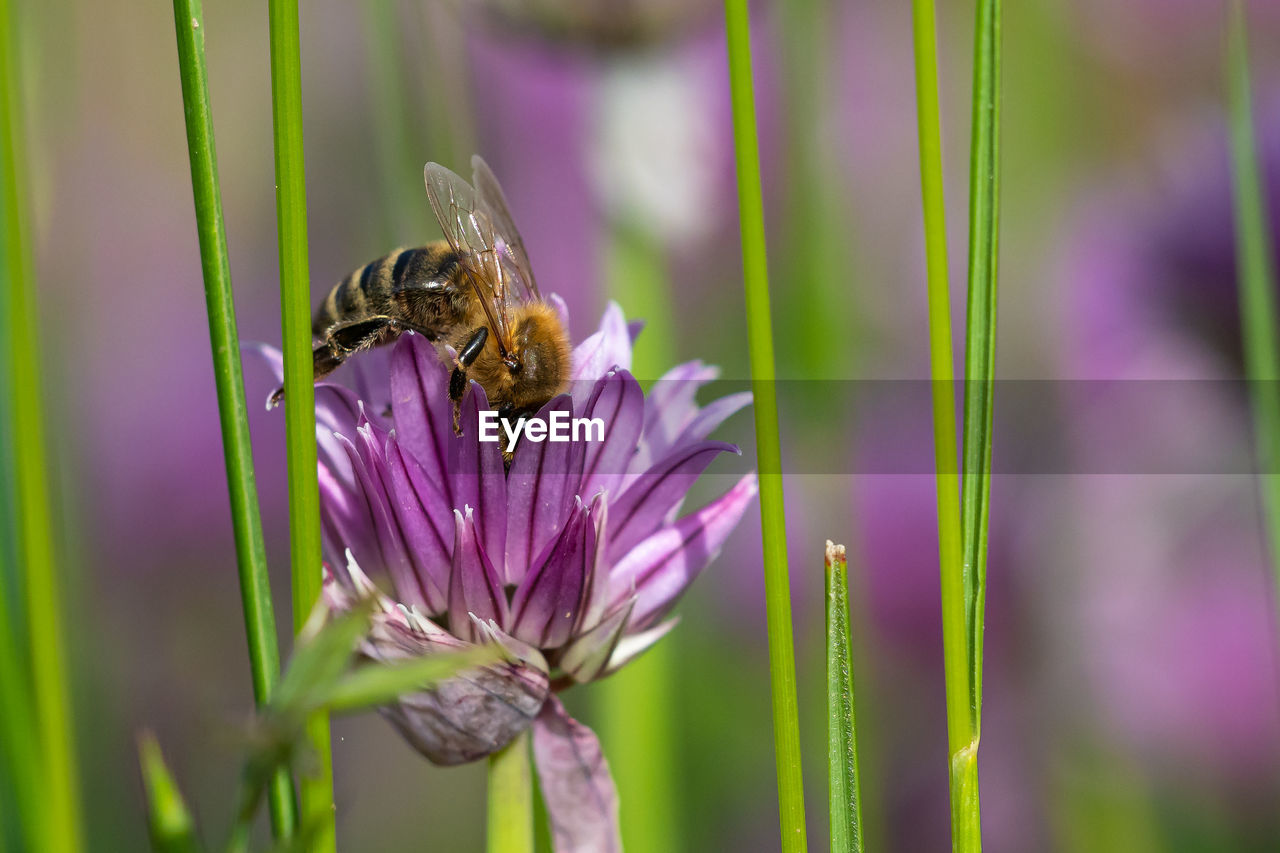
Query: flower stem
x=782, y=664
x=510, y=809
x=1257, y=277
x=316, y=790
x=37, y=569
x=255, y=590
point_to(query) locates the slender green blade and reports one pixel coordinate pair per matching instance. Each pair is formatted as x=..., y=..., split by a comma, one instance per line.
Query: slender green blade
x=842, y=739
x=782, y=664
x=957, y=631
x=980, y=355
x=172, y=829
x=1257, y=278
x=295, y=309
x=510, y=824
x=980, y=332
x=377, y=684
x=255, y=590
x=38, y=568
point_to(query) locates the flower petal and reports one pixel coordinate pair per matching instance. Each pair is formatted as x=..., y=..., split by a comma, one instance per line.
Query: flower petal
x=475, y=590
x=541, y=486
x=670, y=406
x=618, y=401
x=661, y=567
x=468, y=716
x=392, y=551
x=479, y=477
x=632, y=646
x=425, y=517
x=587, y=656
x=421, y=409
x=650, y=496
x=550, y=599
x=582, y=803
x=609, y=347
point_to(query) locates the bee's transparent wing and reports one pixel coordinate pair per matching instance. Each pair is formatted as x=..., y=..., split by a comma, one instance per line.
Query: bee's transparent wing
x=470, y=231
x=491, y=201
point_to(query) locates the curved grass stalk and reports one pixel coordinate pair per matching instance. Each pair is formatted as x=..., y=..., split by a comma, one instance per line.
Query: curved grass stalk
x=782, y=664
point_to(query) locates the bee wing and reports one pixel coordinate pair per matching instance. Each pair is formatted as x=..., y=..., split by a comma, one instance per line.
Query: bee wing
x=470, y=232
x=511, y=252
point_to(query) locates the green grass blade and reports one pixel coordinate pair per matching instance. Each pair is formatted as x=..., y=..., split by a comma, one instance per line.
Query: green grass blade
x=980, y=363
x=299, y=402
x=378, y=684
x=172, y=829
x=1257, y=279
x=842, y=734
x=255, y=589
x=942, y=372
x=510, y=801
x=980, y=332
x=782, y=664
x=37, y=561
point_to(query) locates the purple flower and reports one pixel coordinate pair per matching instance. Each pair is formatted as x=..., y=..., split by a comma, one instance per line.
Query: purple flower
x=1169, y=571
x=571, y=559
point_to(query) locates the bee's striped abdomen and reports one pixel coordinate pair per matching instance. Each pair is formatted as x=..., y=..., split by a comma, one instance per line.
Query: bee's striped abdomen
x=371, y=290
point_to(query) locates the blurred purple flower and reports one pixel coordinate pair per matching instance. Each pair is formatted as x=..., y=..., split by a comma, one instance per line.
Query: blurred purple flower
x=1169, y=571
x=571, y=560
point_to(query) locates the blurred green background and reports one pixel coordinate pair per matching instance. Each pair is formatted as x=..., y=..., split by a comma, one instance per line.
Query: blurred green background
x=1132, y=700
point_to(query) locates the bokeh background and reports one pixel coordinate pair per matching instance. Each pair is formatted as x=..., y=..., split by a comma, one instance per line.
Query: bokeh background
x=1132, y=698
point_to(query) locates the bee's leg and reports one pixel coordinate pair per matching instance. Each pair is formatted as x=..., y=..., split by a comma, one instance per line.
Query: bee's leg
x=324, y=361
x=340, y=341
x=458, y=379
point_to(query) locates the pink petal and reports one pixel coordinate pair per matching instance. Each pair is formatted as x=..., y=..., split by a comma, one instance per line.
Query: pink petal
x=479, y=478
x=421, y=408
x=475, y=590
x=541, y=486
x=550, y=600
x=660, y=568
x=609, y=347
x=582, y=803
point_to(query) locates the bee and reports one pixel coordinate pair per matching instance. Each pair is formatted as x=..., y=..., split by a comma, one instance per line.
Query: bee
x=473, y=292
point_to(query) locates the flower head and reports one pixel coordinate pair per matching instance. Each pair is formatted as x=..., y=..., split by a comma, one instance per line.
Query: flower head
x=571, y=559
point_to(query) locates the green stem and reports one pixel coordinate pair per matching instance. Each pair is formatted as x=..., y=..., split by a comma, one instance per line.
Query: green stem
x=979, y=374
x=37, y=563
x=782, y=664
x=1257, y=277
x=510, y=808
x=316, y=790
x=255, y=589
x=942, y=371
x=844, y=796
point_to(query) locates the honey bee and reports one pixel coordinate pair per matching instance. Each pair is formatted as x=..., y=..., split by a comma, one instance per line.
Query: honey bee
x=473, y=292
